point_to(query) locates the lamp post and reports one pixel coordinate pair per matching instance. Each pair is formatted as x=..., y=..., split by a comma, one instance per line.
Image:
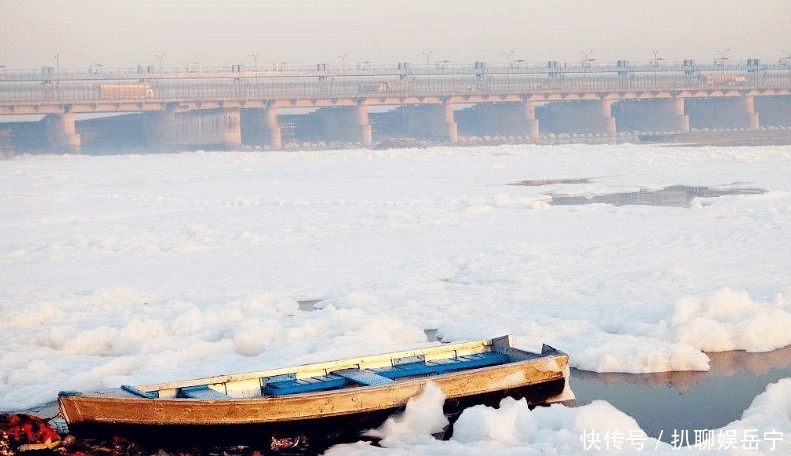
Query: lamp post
x=786, y=60
x=586, y=58
x=343, y=61
x=427, y=54
x=722, y=58
x=57, y=68
x=255, y=61
x=508, y=55
x=586, y=63
x=655, y=62
x=159, y=57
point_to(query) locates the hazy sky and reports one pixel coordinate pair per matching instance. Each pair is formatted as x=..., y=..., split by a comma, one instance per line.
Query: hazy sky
x=219, y=33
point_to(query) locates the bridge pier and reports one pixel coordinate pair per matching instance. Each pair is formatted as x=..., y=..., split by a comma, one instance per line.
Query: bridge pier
x=679, y=109
x=262, y=127
x=606, y=111
x=434, y=122
x=231, y=129
x=273, y=128
x=752, y=115
x=62, y=133
x=346, y=124
x=532, y=120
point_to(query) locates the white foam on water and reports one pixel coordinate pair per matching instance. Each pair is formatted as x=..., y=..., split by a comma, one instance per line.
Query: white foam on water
x=136, y=269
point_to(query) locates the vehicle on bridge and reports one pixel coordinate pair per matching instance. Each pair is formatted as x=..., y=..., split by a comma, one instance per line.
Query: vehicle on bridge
x=125, y=91
x=727, y=79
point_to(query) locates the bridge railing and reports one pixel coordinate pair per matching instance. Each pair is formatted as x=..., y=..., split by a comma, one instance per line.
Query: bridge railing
x=368, y=69
x=241, y=88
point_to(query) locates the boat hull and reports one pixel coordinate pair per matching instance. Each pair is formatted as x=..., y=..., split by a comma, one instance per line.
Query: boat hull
x=174, y=410
x=319, y=432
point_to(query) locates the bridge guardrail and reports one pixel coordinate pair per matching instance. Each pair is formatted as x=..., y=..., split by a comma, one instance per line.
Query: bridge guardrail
x=76, y=91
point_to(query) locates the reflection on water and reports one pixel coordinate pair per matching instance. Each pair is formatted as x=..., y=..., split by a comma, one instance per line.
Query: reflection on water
x=668, y=401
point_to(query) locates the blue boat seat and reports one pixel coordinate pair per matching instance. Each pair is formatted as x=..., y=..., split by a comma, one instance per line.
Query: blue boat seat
x=138, y=392
x=283, y=385
x=202, y=392
x=441, y=366
x=364, y=377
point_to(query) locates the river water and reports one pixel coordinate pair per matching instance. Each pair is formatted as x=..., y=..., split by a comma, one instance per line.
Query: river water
x=676, y=401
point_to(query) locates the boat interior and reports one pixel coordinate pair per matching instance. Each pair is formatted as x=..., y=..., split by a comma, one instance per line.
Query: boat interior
x=370, y=371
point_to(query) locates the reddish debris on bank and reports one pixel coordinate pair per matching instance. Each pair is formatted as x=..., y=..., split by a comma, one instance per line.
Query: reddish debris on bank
x=23, y=432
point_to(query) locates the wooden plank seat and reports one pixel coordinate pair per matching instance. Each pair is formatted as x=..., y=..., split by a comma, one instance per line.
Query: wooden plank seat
x=441, y=366
x=282, y=385
x=202, y=392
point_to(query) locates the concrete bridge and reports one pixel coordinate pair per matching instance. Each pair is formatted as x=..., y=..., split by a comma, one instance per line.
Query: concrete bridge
x=272, y=108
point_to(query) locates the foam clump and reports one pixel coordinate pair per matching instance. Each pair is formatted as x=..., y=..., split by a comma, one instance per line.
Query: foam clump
x=422, y=417
x=731, y=320
x=597, y=428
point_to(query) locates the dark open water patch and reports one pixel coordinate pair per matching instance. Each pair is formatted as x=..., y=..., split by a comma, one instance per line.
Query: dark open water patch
x=672, y=196
x=687, y=401
x=308, y=306
x=540, y=182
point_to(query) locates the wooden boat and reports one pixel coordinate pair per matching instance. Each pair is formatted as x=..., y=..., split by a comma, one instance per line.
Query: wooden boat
x=293, y=399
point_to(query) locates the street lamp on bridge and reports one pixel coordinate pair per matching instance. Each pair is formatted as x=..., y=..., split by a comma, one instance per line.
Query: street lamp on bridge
x=57, y=68
x=508, y=55
x=655, y=62
x=786, y=61
x=720, y=61
x=586, y=58
x=255, y=61
x=427, y=54
x=159, y=57
x=586, y=63
x=343, y=61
